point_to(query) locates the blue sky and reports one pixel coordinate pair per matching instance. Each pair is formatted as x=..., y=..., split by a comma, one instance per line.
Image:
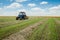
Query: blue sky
x=31, y=7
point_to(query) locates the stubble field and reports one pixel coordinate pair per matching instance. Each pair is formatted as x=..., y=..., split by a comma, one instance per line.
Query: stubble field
x=34, y=28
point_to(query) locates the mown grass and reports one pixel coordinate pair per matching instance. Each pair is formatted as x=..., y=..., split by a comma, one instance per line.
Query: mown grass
x=49, y=30
x=52, y=27
x=46, y=31
x=7, y=21
x=7, y=18
x=58, y=18
x=36, y=33
x=5, y=31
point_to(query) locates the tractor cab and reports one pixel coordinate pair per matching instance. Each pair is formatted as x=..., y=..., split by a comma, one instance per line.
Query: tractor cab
x=22, y=15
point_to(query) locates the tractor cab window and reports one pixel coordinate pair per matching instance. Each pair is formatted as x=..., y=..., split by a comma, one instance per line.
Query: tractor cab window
x=24, y=13
x=20, y=13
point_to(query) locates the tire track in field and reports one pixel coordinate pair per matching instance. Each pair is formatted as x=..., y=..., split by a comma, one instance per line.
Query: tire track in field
x=58, y=28
x=45, y=33
x=25, y=32
x=5, y=32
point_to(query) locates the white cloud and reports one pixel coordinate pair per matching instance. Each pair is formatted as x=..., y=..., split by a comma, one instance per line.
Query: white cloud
x=35, y=9
x=20, y=0
x=44, y=2
x=14, y=5
x=55, y=7
x=10, y=10
x=32, y=5
x=55, y=10
x=23, y=10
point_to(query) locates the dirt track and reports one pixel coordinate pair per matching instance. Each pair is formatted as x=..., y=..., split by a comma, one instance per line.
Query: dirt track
x=45, y=32
x=25, y=32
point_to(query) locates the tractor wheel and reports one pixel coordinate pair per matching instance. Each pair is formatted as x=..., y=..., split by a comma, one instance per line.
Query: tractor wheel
x=17, y=18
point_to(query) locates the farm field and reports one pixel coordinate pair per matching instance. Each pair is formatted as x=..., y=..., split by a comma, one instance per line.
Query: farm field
x=34, y=28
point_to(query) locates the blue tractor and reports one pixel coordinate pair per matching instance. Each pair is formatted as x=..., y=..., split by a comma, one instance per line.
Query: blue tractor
x=21, y=16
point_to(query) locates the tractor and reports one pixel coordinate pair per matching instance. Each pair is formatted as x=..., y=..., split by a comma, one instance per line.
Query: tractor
x=21, y=16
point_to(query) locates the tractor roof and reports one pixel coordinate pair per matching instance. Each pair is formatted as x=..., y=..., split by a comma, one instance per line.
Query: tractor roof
x=22, y=13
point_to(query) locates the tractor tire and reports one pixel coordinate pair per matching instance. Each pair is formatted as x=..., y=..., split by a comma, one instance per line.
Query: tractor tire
x=17, y=18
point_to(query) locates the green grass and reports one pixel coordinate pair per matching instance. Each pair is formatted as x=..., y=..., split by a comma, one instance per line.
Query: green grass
x=5, y=23
x=14, y=28
x=49, y=30
x=52, y=27
x=45, y=31
x=58, y=18
x=36, y=33
x=6, y=19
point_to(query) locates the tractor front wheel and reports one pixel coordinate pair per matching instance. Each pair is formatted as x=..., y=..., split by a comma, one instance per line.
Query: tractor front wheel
x=17, y=18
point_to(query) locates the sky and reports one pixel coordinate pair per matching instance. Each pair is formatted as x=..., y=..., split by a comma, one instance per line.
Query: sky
x=31, y=7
